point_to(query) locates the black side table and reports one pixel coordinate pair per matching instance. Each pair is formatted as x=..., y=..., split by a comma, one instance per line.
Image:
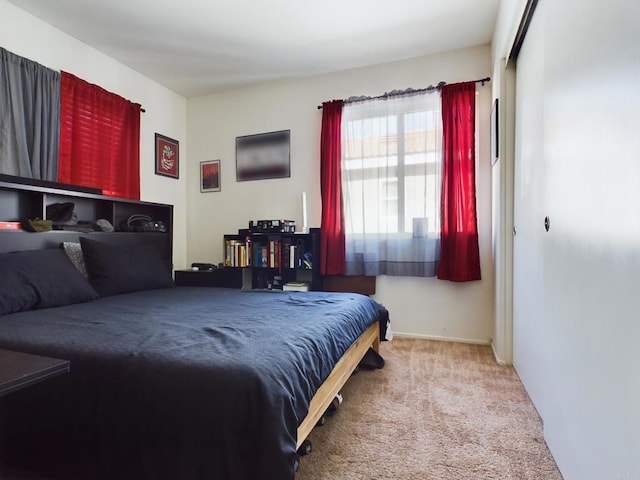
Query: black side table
x=218, y=277
x=21, y=370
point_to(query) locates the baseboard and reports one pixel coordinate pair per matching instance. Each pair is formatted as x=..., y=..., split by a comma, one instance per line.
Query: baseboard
x=441, y=339
x=498, y=360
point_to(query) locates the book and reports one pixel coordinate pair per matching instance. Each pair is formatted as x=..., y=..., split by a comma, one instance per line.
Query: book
x=296, y=287
x=10, y=226
x=272, y=253
x=286, y=253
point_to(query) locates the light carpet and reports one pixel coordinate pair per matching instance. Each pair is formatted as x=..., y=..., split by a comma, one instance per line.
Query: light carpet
x=437, y=410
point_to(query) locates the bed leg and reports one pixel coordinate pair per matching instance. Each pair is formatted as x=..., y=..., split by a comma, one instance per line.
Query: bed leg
x=376, y=343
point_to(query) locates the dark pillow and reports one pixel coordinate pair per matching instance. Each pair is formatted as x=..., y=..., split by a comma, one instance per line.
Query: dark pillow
x=122, y=269
x=40, y=279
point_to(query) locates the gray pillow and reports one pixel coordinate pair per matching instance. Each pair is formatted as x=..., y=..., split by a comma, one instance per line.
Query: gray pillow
x=74, y=252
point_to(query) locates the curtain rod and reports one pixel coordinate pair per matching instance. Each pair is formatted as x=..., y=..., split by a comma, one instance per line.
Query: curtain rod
x=408, y=91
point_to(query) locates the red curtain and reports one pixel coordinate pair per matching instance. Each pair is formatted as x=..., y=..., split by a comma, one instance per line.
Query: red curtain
x=99, y=139
x=332, y=243
x=459, y=255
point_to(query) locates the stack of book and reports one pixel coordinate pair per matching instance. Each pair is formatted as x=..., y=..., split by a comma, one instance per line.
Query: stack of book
x=237, y=254
x=296, y=287
x=10, y=226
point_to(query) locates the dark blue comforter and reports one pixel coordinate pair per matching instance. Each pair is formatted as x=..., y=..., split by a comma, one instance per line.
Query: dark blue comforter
x=183, y=383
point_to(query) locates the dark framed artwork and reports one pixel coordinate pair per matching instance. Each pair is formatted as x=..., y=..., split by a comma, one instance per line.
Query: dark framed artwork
x=210, y=176
x=261, y=156
x=167, y=156
x=495, y=133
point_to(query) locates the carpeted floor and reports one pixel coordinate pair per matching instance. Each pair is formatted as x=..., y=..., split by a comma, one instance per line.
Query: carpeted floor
x=436, y=411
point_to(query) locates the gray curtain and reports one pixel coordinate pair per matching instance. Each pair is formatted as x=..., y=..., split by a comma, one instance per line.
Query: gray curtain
x=29, y=118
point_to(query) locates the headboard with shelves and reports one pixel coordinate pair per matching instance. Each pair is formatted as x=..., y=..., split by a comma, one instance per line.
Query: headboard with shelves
x=20, y=201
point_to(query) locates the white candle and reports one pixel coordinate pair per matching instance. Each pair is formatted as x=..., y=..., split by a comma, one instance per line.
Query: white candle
x=304, y=212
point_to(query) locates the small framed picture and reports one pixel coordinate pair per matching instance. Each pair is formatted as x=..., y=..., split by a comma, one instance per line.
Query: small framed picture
x=210, y=176
x=167, y=156
x=495, y=133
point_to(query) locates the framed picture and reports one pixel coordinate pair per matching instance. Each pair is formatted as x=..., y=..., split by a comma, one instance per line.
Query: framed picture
x=167, y=156
x=495, y=133
x=265, y=155
x=210, y=176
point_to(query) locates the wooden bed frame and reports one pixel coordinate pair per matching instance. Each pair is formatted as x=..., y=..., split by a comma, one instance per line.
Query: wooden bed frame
x=337, y=379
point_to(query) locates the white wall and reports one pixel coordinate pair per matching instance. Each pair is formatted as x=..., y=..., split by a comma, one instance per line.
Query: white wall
x=502, y=179
x=166, y=112
x=576, y=307
x=426, y=307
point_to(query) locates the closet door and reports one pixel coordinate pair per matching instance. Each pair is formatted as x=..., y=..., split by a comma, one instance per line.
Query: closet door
x=529, y=314
x=576, y=287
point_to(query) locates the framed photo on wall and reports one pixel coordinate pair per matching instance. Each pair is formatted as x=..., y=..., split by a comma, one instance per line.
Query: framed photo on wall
x=167, y=156
x=261, y=156
x=210, y=176
x=495, y=133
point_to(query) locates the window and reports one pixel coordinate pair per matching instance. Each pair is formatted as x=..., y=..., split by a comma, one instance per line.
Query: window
x=386, y=178
x=391, y=183
x=391, y=167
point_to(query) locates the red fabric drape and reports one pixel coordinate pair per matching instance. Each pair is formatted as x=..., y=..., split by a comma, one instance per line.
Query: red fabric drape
x=99, y=139
x=332, y=243
x=459, y=254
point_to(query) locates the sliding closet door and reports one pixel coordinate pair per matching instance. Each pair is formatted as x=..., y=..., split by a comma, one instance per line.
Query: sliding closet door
x=577, y=286
x=529, y=316
x=592, y=252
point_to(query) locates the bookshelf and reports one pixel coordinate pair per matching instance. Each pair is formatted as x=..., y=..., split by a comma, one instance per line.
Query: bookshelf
x=274, y=259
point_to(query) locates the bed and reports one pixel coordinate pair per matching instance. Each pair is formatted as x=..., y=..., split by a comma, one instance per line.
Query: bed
x=170, y=382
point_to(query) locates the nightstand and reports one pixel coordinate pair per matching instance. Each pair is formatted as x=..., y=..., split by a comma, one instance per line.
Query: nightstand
x=21, y=370
x=218, y=277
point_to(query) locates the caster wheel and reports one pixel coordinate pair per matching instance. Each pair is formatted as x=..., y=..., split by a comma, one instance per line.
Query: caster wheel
x=333, y=406
x=305, y=448
x=321, y=422
x=296, y=463
x=330, y=411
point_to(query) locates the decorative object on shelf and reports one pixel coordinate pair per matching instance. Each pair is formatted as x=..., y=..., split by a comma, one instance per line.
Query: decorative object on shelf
x=37, y=225
x=272, y=226
x=60, y=211
x=210, y=176
x=305, y=227
x=167, y=156
x=262, y=156
x=143, y=223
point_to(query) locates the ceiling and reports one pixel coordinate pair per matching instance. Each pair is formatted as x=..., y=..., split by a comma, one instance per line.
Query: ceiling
x=197, y=47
